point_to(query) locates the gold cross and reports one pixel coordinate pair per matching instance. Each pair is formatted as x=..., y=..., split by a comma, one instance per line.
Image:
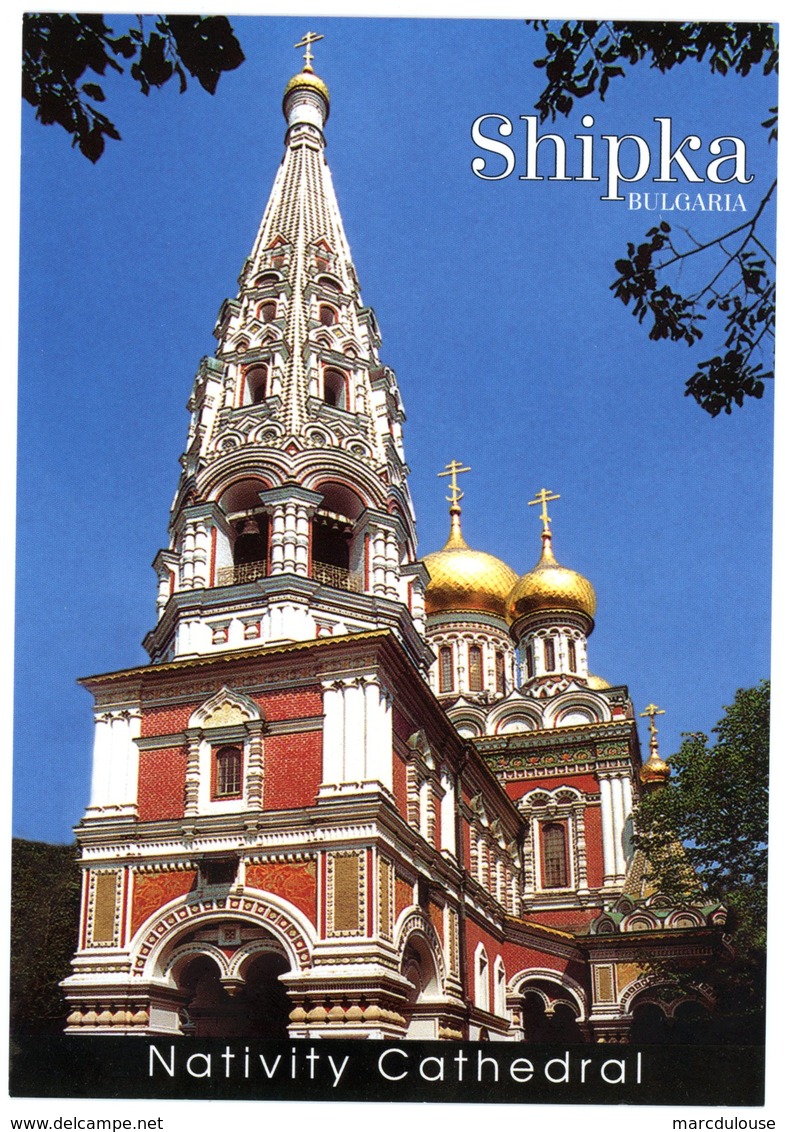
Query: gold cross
x=454, y=469
x=306, y=41
x=651, y=711
x=544, y=496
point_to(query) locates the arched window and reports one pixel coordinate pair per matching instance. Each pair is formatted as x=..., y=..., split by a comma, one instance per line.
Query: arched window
x=228, y=772
x=481, y=979
x=550, y=655
x=446, y=681
x=501, y=678
x=335, y=388
x=256, y=384
x=265, y=278
x=475, y=669
x=267, y=311
x=529, y=661
x=329, y=282
x=554, y=856
x=328, y=316
x=572, y=657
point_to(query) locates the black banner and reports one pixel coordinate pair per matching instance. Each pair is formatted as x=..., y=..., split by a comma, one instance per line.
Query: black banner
x=483, y=1072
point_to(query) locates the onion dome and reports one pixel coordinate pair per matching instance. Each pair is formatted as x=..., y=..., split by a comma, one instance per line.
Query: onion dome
x=307, y=80
x=551, y=588
x=597, y=682
x=466, y=580
x=655, y=771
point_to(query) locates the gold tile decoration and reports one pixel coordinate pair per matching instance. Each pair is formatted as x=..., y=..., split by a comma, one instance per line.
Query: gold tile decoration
x=104, y=908
x=346, y=893
x=385, y=898
x=604, y=980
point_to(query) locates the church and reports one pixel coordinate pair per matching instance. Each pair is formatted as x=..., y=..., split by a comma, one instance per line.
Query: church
x=356, y=793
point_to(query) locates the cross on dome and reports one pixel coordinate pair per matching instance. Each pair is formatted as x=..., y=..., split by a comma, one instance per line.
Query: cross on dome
x=544, y=496
x=454, y=469
x=650, y=713
x=309, y=38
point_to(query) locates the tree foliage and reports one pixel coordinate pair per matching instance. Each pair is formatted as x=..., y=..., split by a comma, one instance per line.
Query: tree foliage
x=63, y=54
x=45, y=886
x=717, y=807
x=734, y=280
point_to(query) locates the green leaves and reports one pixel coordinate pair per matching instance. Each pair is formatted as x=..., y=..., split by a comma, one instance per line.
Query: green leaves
x=717, y=806
x=59, y=49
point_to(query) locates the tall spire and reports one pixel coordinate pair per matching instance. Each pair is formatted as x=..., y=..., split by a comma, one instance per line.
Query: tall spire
x=294, y=465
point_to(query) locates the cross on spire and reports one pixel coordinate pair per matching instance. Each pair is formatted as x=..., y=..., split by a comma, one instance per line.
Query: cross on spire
x=650, y=713
x=544, y=496
x=454, y=469
x=306, y=41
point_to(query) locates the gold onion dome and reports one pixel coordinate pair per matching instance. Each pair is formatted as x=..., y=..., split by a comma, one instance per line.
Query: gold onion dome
x=597, y=682
x=307, y=80
x=550, y=587
x=466, y=580
x=655, y=771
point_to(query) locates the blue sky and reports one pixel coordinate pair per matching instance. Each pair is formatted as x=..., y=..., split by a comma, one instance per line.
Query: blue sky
x=494, y=304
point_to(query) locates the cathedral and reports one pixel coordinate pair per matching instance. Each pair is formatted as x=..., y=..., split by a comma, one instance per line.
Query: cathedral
x=357, y=793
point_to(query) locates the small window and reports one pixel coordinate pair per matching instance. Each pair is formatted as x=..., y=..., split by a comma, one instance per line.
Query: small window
x=329, y=282
x=256, y=384
x=328, y=316
x=228, y=772
x=554, y=856
x=265, y=279
x=550, y=655
x=335, y=388
x=529, y=661
x=267, y=311
x=475, y=669
x=572, y=656
x=501, y=678
x=446, y=682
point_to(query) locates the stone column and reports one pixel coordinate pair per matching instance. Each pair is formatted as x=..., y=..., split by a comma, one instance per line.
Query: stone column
x=291, y=509
x=191, y=801
x=255, y=770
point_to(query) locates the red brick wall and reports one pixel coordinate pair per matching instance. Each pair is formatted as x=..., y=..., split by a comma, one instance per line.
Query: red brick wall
x=584, y=782
x=166, y=720
x=404, y=893
x=592, y=819
x=161, y=783
x=294, y=881
x=295, y=703
x=566, y=918
x=292, y=770
x=399, y=783
x=518, y=958
x=153, y=890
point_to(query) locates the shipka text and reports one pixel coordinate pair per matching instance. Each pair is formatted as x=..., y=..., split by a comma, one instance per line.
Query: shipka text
x=612, y=159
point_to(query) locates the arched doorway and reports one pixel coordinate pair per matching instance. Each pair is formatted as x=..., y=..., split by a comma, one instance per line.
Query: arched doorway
x=419, y=968
x=228, y=981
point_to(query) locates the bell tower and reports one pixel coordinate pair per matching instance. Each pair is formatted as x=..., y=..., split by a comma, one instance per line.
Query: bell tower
x=292, y=518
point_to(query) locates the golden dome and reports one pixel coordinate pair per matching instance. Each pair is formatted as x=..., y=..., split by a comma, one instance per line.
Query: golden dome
x=468, y=580
x=551, y=587
x=597, y=682
x=655, y=771
x=307, y=80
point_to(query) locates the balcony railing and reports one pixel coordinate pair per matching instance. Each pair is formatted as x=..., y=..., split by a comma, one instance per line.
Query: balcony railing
x=336, y=576
x=236, y=575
